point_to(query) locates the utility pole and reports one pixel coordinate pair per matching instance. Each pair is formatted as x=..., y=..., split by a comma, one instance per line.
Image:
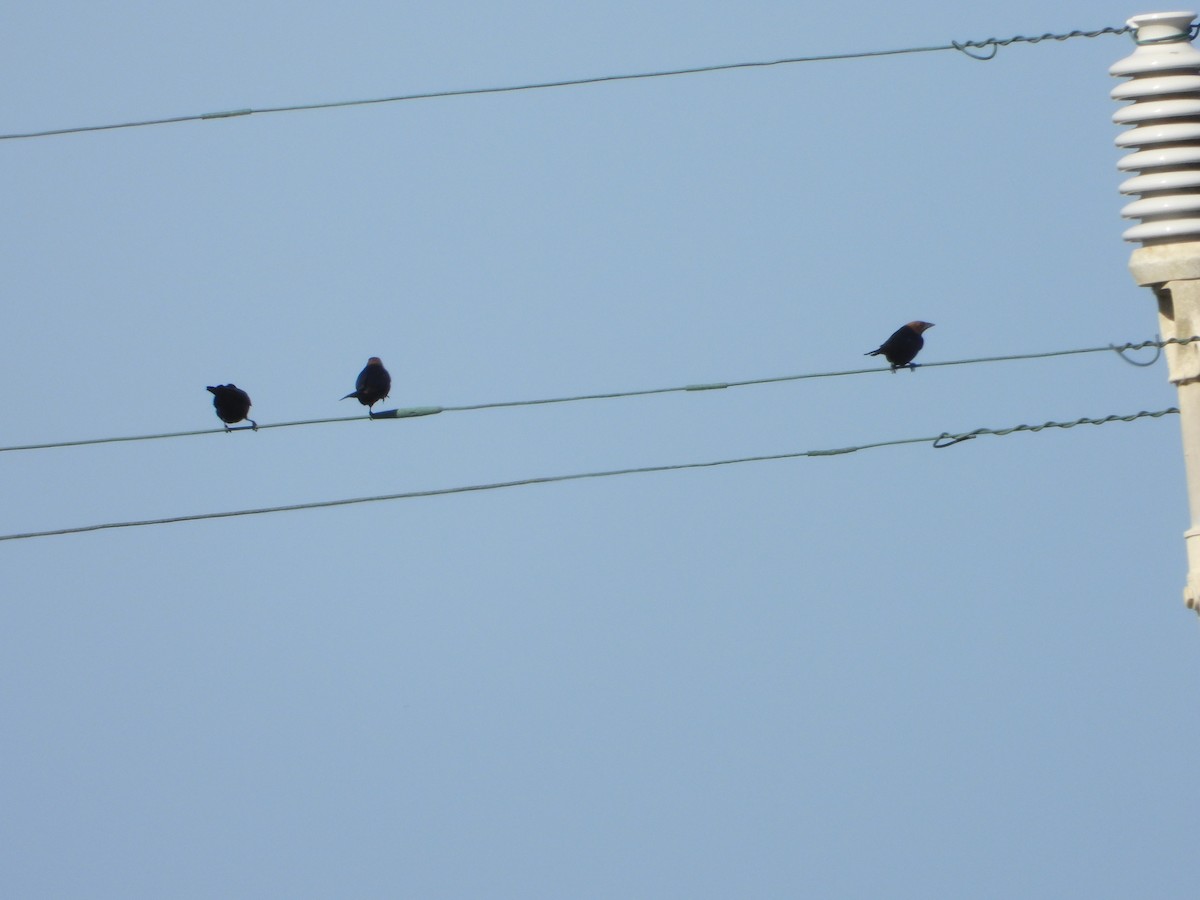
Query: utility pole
x=1164, y=85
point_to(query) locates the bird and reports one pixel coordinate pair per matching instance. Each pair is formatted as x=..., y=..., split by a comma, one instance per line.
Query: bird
x=373, y=384
x=904, y=344
x=232, y=404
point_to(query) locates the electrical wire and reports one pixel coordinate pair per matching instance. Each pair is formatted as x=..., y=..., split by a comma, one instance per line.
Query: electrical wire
x=417, y=411
x=962, y=46
x=938, y=442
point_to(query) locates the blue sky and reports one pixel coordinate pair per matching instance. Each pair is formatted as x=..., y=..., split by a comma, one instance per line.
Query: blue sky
x=901, y=672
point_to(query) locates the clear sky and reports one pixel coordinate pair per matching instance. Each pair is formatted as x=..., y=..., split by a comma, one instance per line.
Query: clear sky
x=903, y=672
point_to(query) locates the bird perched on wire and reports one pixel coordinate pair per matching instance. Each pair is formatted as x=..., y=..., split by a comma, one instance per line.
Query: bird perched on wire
x=904, y=344
x=373, y=384
x=232, y=404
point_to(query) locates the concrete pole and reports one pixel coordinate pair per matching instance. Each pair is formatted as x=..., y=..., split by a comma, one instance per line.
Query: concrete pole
x=1164, y=84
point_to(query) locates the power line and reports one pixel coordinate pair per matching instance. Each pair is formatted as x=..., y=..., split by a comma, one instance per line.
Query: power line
x=417, y=411
x=943, y=440
x=962, y=46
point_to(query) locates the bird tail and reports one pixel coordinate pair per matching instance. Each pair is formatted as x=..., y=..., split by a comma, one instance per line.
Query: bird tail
x=351, y=394
x=874, y=352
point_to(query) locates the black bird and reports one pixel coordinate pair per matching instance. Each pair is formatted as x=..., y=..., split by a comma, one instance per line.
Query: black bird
x=232, y=404
x=903, y=345
x=373, y=384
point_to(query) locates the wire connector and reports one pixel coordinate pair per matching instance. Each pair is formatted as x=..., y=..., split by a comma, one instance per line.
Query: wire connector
x=407, y=413
x=949, y=440
x=227, y=114
x=995, y=44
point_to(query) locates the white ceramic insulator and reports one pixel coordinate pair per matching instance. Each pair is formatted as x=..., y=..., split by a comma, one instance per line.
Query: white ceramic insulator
x=1164, y=85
